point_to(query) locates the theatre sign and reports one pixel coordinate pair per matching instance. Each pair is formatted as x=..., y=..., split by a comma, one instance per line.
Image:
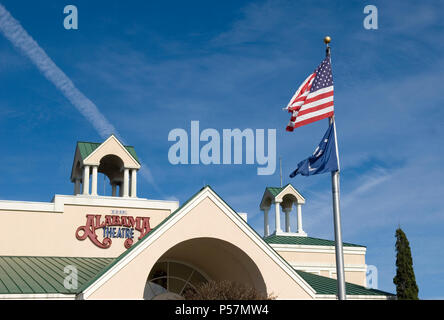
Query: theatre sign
x=113, y=226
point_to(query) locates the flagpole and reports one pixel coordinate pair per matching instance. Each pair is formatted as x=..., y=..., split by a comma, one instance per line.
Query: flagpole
x=337, y=211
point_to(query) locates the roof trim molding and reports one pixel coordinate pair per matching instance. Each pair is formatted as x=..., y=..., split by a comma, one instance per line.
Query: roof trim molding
x=292, y=189
x=111, y=137
x=37, y=296
x=287, y=189
x=206, y=192
x=317, y=248
x=59, y=201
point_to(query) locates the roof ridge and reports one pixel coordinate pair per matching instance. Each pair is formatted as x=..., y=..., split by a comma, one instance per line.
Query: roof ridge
x=129, y=146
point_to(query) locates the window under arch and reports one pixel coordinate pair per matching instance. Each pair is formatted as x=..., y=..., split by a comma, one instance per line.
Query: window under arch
x=171, y=279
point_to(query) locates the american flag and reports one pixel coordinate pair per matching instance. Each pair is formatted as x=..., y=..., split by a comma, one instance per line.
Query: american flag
x=313, y=100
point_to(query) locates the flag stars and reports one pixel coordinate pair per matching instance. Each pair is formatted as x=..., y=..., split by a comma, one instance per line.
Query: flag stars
x=320, y=79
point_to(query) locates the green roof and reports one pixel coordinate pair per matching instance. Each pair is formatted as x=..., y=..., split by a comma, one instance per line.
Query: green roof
x=276, y=190
x=308, y=241
x=329, y=286
x=86, y=148
x=45, y=275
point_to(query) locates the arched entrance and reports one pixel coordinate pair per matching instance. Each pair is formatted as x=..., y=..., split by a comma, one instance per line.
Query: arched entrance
x=198, y=260
x=169, y=280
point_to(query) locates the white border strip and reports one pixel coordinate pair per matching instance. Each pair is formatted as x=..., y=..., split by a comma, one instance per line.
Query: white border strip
x=59, y=201
x=316, y=249
x=38, y=296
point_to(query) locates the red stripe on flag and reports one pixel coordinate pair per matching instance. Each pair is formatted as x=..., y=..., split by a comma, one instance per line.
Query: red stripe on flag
x=320, y=96
x=306, y=87
x=317, y=108
x=310, y=120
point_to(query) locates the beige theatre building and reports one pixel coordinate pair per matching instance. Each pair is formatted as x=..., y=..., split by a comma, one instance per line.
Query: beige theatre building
x=128, y=247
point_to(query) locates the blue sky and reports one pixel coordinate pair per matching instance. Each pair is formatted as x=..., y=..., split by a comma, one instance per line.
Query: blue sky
x=151, y=67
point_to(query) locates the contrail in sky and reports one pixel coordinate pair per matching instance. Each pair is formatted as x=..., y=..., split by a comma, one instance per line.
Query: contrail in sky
x=18, y=36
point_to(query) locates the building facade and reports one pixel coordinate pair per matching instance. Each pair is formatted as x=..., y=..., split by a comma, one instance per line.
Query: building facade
x=127, y=247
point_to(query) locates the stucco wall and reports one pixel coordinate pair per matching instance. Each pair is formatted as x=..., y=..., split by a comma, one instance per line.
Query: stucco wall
x=319, y=261
x=204, y=220
x=27, y=233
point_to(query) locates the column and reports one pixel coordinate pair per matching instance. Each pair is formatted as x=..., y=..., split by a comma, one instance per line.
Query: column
x=134, y=183
x=76, y=186
x=125, y=182
x=287, y=218
x=94, y=181
x=278, y=216
x=266, y=224
x=299, y=207
x=86, y=180
x=114, y=187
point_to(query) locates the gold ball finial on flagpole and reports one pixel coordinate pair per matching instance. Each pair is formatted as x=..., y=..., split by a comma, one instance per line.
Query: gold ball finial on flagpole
x=327, y=40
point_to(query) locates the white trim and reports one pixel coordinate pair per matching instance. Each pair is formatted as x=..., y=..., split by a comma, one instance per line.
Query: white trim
x=26, y=206
x=316, y=249
x=59, y=201
x=38, y=296
x=205, y=193
x=317, y=272
x=288, y=234
x=328, y=267
x=137, y=166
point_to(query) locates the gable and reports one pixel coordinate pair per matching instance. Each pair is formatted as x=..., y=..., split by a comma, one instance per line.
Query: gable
x=277, y=194
x=205, y=216
x=86, y=148
x=92, y=153
x=289, y=189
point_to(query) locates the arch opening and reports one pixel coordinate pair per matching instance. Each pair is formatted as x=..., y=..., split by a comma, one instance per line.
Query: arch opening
x=111, y=166
x=193, y=262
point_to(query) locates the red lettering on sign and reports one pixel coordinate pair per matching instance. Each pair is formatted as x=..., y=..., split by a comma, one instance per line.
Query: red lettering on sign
x=89, y=231
x=94, y=222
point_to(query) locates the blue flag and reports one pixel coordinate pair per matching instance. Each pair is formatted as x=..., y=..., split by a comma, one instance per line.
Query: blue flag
x=324, y=158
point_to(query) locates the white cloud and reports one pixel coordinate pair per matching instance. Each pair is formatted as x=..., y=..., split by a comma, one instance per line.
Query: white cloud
x=18, y=36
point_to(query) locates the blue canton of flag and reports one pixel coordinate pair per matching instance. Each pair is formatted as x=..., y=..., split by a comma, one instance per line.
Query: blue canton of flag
x=324, y=158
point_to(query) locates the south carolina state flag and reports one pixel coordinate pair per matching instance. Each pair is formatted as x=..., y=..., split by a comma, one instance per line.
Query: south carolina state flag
x=324, y=158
